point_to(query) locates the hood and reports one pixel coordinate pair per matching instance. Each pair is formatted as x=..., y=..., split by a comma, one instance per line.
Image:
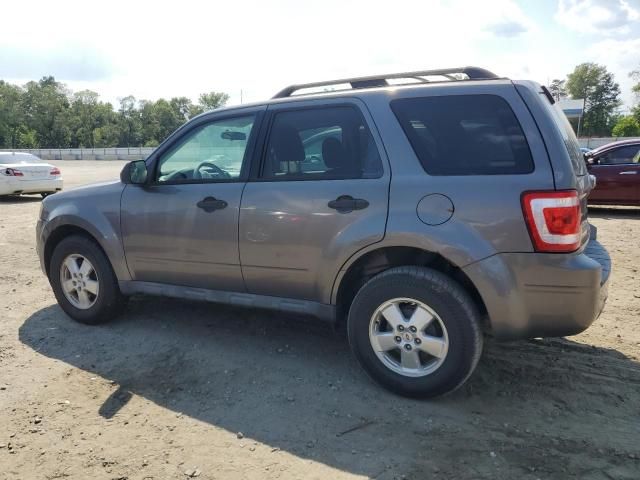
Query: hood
x=92, y=196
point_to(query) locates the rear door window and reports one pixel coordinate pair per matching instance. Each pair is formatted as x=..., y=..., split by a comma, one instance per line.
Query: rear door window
x=464, y=135
x=320, y=143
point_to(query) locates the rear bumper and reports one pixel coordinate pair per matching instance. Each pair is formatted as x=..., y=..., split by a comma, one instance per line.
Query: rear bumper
x=13, y=186
x=543, y=295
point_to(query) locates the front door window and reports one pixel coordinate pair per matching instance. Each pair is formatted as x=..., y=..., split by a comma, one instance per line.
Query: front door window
x=211, y=153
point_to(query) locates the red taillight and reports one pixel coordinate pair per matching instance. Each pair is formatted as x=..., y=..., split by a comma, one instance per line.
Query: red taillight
x=553, y=219
x=13, y=172
x=55, y=171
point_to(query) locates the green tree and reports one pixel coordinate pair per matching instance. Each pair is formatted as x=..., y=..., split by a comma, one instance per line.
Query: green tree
x=46, y=111
x=129, y=122
x=185, y=108
x=26, y=138
x=626, y=127
x=107, y=135
x=87, y=115
x=168, y=119
x=11, y=115
x=557, y=89
x=47, y=114
x=635, y=75
x=601, y=93
x=212, y=100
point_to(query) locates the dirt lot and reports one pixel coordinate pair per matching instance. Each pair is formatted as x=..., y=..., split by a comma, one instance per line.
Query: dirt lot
x=164, y=391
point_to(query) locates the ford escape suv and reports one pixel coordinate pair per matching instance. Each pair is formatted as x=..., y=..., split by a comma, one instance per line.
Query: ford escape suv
x=422, y=209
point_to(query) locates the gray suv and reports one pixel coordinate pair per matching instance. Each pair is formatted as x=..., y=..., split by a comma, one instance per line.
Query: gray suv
x=419, y=209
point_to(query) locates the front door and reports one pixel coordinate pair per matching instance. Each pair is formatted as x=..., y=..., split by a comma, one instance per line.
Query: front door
x=182, y=228
x=617, y=175
x=320, y=195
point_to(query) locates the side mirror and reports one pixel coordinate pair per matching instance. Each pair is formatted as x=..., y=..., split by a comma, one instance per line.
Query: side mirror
x=134, y=173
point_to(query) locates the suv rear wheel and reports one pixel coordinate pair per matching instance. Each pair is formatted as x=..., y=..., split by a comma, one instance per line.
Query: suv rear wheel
x=84, y=282
x=415, y=331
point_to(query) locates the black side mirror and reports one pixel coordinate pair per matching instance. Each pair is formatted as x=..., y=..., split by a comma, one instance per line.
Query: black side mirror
x=134, y=172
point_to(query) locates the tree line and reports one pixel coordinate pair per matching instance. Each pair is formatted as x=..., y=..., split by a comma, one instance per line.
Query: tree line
x=46, y=114
x=601, y=94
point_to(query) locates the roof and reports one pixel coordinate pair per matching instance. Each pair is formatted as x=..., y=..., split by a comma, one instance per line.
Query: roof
x=393, y=79
x=374, y=84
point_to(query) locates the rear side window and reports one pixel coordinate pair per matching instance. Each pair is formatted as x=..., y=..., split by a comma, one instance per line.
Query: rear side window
x=320, y=143
x=464, y=135
x=569, y=139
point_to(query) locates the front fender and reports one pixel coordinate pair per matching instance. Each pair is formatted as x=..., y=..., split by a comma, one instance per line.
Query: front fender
x=96, y=210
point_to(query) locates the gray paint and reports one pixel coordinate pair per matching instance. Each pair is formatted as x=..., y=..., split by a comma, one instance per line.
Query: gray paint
x=292, y=242
x=435, y=209
x=167, y=238
x=93, y=208
x=280, y=240
x=537, y=295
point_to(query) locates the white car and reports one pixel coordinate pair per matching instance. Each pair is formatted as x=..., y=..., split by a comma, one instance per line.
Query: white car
x=25, y=173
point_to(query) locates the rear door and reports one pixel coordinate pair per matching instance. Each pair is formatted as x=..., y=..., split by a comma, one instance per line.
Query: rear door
x=319, y=195
x=617, y=173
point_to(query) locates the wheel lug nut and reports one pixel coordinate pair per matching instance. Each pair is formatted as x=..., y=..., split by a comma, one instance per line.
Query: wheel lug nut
x=418, y=341
x=413, y=329
x=398, y=339
x=400, y=328
x=407, y=347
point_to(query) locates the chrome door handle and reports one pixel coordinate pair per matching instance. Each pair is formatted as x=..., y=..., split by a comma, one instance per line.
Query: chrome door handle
x=628, y=172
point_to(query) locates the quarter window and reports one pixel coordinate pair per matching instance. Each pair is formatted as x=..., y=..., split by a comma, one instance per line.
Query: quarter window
x=320, y=143
x=464, y=135
x=214, y=152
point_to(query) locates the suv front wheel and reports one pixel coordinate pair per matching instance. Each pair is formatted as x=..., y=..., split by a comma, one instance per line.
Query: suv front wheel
x=415, y=331
x=84, y=282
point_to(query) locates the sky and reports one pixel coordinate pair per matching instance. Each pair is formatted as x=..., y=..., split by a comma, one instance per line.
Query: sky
x=166, y=49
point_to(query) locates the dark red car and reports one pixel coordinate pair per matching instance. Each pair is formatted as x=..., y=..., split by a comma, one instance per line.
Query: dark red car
x=616, y=167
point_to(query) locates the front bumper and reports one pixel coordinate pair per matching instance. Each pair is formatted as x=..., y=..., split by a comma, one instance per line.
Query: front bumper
x=531, y=295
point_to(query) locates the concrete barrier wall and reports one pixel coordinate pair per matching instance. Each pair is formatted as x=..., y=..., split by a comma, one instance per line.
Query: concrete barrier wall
x=595, y=142
x=140, y=153
x=124, y=153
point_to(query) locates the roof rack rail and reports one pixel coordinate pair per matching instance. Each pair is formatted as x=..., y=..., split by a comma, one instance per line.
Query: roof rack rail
x=373, y=81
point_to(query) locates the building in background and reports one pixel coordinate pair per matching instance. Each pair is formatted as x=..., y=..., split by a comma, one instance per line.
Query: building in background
x=574, y=110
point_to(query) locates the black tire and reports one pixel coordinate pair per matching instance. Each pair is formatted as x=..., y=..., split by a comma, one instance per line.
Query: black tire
x=109, y=301
x=456, y=310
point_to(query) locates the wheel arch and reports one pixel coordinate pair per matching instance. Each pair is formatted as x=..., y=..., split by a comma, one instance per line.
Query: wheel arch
x=63, y=231
x=372, y=262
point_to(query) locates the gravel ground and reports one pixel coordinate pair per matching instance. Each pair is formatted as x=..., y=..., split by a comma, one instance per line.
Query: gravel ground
x=173, y=389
